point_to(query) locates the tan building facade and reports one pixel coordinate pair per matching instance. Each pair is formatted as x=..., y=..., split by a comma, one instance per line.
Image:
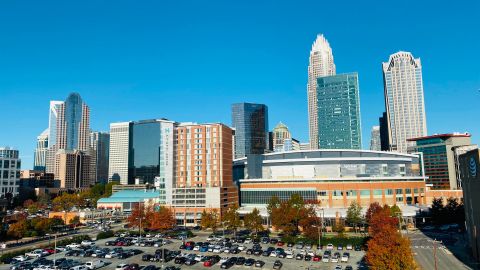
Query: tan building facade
x=73, y=169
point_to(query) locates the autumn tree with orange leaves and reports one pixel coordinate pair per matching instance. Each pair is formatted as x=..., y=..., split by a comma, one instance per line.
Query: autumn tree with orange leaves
x=138, y=217
x=161, y=220
x=387, y=249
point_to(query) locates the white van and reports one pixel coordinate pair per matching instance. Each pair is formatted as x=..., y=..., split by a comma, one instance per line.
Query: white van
x=95, y=264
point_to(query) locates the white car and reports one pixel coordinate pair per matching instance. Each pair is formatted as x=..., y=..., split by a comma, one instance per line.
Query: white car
x=148, y=235
x=311, y=253
x=87, y=243
x=210, y=238
x=37, y=253
x=95, y=264
x=121, y=266
x=242, y=248
x=20, y=258
x=111, y=254
x=222, y=260
x=79, y=267
x=42, y=267
x=344, y=258
x=199, y=258
x=248, y=240
x=325, y=258
x=349, y=247
x=330, y=247
x=74, y=245
x=334, y=259
x=290, y=255
x=273, y=254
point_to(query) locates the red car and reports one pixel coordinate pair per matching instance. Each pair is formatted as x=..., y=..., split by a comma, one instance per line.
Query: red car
x=208, y=263
x=280, y=243
x=119, y=243
x=317, y=258
x=190, y=243
x=49, y=250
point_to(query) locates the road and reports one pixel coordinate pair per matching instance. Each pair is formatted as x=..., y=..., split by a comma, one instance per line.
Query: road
x=423, y=249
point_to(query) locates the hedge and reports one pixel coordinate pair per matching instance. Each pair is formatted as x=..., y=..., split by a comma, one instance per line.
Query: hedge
x=104, y=235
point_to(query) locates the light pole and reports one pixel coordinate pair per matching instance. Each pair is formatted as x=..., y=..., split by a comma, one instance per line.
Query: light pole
x=434, y=251
x=55, y=251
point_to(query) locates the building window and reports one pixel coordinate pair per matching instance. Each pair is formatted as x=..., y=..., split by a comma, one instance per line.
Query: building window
x=365, y=193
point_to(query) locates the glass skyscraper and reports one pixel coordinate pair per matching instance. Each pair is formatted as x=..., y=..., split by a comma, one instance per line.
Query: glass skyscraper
x=339, y=112
x=251, y=128
x=141, y=151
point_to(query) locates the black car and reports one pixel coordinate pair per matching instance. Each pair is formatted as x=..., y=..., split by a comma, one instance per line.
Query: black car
x=249, y=251
x=180, y=260
x=147, y=257
x=249, y=262
x=277, y=264
x=358, y=248
x=282, y=255
x=307, y=258
x=348, y=267
x=227, y=264
x=123, y=255
x=172, y=268
x=273, y=241
x=190, y=262
x=257, y=252
x=266, y=253
x=133, y=266
x=240, y=261
x=150, y=267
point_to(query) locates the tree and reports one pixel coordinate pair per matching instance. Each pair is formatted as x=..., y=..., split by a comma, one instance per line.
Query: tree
x=354, y=214
x=75, y=221
x=310, y=223
x=231, y=218
x=395, y=210
x=18, y=229
x=210, y=220
x=437, y=210
x=65, y=202
x=372, y=209
x=253, y=221
x=139, y=216
x=387, y=249
x=162, y=219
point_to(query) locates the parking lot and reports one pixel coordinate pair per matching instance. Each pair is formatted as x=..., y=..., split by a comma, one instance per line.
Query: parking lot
x=218, y=247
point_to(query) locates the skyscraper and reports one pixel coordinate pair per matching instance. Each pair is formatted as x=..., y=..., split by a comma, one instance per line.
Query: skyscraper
x=338, y=107
x=320, y=64
x=282, y=139
x=40, y=154
x=71, y=121
x=250, y=121
x=141, y=151
x=100, y=142
x=375, y=144
x=404, y=102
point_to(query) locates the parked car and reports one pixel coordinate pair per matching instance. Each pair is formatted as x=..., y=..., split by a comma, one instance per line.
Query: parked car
x=249, y=262
x=95, y=264
x=259, y=264
x=345, y=257
x=277, y=264
x=121, y=266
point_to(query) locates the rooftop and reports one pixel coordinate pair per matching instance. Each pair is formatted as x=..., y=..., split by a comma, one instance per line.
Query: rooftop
x=131, y=196
x=443, y=136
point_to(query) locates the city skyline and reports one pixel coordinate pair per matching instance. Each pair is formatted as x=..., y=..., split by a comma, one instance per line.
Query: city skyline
x=281, y=86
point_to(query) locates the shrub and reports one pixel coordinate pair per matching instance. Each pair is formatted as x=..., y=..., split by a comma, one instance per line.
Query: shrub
x=104, y=235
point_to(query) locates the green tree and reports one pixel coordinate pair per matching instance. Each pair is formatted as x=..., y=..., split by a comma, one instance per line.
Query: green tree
x=231, y=218
x=253, y=221
x=395, y=210
x=437, y=210
x=354, y=214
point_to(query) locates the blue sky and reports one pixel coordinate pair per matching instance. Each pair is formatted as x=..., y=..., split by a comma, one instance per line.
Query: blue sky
x=189, y=60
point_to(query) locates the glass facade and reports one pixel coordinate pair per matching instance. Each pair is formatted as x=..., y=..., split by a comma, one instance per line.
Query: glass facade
x=73, y=117
x=264, y=196
x=146, y=152
x=339, y=112
x=251, y=128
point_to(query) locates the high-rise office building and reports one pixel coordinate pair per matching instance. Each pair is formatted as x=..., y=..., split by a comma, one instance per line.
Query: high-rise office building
x=251, y=128
x=320, y=64
x=384, y=135
x=404, y=102
x=100, y=142
x=10, y=165
x=73, y=169
x=141, y=151
x=119, y=156
x=440, y=158
x=338, y=107
x=70, y=121
x=375, y=143
x=40, y=155
x=282, y=139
